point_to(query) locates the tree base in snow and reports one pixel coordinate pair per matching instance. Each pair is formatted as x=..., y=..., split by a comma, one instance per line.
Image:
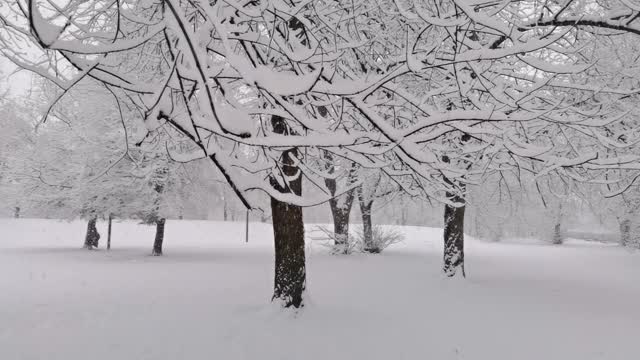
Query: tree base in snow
x=338, y=244
x=372, y=250
x=157, y=243
x=288, y=303
x=452, y=271
x=375, y=239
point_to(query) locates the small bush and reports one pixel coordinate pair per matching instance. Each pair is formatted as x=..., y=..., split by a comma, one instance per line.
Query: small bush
x=381, y=238
x=328, y=237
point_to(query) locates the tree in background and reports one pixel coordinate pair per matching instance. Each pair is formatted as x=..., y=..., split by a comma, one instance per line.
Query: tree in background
x=374, y=186
x=340, y=205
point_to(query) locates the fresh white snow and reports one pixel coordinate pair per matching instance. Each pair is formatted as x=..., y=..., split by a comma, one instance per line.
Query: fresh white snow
x=208, y=298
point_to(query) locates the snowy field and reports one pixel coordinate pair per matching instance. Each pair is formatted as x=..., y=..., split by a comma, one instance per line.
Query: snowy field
x=208, y=298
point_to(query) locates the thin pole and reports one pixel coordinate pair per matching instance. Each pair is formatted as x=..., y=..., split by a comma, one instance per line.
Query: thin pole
x=246, y=239
x=109, y=233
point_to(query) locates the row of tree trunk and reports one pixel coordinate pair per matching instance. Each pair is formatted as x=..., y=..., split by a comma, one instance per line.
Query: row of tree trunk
x=92, y=236
x=288, y=228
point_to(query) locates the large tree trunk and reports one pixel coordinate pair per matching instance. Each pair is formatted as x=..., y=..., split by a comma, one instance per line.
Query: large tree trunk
x=290, y=272
x=454, y=236
x=92, y=237
x=288, y=232
x=157, y=244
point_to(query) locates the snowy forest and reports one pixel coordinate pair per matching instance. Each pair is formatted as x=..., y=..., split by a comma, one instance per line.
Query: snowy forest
x=307, y=179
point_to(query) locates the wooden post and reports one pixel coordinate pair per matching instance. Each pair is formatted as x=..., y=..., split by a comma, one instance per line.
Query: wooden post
x=246, y=239
x=109, y=233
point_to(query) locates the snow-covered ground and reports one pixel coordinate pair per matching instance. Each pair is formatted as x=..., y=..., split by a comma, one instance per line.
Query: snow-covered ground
x=208, y=297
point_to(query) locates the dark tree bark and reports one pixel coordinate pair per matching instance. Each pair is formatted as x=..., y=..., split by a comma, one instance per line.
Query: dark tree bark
x=288, y=231
x=625, y=232
x=454, y=223
x=159, y=182
x=454, y=236
x=16, y=213
x=109, y=233
x=92, y=237
x=157, y=243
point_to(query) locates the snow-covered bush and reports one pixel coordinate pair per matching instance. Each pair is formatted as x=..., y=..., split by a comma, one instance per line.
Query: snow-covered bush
x=328, y=239
x=381, y=238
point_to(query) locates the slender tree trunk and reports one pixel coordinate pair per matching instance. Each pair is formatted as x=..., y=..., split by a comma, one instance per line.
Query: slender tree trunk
x=477, y=230
x=109, y=233
x=557, y=235
x=92, y=237
x=157, y=244
x=454, y=236
x=288, y=232
x=161, y=176
x=403, y=213
x=341, y=205
x=246, y=229
x=225, y=209
x=625, y=232
x=367, y=227
x=366, y=196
